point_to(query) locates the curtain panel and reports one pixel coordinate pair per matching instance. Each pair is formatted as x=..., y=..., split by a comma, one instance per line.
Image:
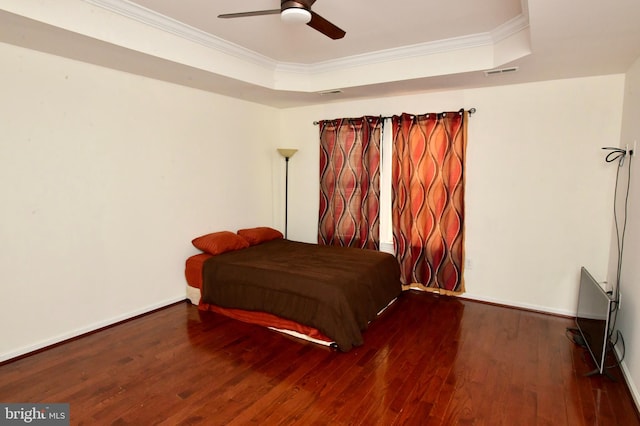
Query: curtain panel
x=428, y=199
x=350, y=182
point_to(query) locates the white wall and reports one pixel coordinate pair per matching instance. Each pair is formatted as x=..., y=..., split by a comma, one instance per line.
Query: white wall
x=539, y=194
x=105, y=177
x=629, y=315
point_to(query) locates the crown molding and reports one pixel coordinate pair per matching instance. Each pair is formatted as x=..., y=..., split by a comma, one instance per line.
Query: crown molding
x=177, y=28
x=509, y=28
x=500, y=33
x=391, y=55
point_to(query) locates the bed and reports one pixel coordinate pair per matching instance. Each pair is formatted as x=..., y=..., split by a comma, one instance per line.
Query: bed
x=329, y=294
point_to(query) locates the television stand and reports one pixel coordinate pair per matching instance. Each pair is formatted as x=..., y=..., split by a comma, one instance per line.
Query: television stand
x=605, y=372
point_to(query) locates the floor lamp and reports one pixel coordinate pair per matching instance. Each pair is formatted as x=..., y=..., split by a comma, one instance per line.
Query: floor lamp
x=286, y=153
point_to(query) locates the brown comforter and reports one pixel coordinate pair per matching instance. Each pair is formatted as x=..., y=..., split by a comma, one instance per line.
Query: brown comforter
x=337, y=290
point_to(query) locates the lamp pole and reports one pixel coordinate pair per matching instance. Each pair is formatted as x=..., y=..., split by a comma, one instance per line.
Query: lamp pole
x=286, y=195
x=286, y=153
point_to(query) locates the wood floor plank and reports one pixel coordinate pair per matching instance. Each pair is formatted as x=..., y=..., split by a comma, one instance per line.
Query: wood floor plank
x=429, y=360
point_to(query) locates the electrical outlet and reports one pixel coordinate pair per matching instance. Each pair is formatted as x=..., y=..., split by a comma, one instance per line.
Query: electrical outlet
x=633, y=153
x=468, y=264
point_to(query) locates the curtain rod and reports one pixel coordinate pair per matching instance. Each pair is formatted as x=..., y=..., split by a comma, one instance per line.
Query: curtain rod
x=471, y=111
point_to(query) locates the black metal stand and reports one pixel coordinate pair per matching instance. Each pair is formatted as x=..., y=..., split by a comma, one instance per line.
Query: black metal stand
x=605, y=372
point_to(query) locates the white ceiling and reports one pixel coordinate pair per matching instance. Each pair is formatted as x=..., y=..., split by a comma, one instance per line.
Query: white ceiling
x=371, y=25
x=391, y=47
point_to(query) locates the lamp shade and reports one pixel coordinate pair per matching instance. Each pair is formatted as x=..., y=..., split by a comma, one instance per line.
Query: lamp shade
x=295, y=15
x=287, y=152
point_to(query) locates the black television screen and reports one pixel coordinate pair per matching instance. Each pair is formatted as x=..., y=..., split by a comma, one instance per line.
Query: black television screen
x=592, y=318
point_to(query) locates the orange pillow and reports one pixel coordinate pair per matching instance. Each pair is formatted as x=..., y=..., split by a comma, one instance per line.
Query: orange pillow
x=220, y=242
x=260, y=234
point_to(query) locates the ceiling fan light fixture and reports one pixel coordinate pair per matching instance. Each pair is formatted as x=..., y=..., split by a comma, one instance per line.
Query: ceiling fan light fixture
x=295, y=15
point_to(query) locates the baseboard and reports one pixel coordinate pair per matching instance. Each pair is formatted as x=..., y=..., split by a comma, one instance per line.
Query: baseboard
x=525, y=306
x=87, y=329
x=627, y=378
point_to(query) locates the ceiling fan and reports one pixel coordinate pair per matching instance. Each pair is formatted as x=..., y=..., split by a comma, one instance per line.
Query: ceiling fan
x=296, y=11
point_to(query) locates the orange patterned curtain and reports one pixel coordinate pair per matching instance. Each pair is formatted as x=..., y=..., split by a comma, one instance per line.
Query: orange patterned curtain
x=428, y=199
x=350, y=182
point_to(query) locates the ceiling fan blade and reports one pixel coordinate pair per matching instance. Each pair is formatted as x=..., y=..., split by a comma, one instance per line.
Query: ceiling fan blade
x=254, y=13
x=325, y=27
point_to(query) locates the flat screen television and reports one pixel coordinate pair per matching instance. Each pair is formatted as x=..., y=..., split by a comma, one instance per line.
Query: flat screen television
x=592, y=318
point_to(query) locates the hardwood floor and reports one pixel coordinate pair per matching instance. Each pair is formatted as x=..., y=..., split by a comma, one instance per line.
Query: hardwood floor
x=428, y=360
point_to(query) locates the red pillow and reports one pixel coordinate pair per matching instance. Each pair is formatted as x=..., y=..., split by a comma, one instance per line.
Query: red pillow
x=260, y=234
x=220, y=242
